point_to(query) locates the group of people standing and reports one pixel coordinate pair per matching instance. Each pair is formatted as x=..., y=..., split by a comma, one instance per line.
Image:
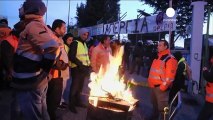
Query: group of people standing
x=167, y=77
x=47, y=68
x=35, y=63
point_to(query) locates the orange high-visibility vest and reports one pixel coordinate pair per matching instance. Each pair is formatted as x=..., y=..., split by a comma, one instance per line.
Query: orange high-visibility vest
x=55, y=73
x=209, y=92
x=162, y=72
x=13, y=41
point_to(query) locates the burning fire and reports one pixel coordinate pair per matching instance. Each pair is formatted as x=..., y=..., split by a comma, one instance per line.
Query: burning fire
x=108, y=84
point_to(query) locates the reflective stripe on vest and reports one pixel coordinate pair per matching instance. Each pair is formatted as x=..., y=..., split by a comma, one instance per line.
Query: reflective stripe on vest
x=29, y=55
x=157, y=71
x=209, y=92
x=184, y=62
x=161, y=71
x=209, y=95
x=159, y=78
x=155, y=77
x=25, y=75
x=167, y=79
x=82, y=54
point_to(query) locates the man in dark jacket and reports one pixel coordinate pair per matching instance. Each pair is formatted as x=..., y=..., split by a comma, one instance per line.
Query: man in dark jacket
x=78, y=55
x=59, y=72
x=7, y=49
x=137, y=61
x=179, y=77
x=207, y=110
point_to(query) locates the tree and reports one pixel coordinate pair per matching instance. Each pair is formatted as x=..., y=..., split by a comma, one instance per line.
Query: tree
x=183, y=9
x=81, y=15
x=97, y=11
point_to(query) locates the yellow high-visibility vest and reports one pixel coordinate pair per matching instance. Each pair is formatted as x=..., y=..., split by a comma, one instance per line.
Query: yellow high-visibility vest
x=67, y=51
x=82, y=55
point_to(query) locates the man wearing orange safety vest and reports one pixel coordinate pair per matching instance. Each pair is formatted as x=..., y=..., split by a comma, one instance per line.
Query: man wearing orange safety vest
x=8, y=45
x=59, y=72
x=161, y=76
x=207, y=111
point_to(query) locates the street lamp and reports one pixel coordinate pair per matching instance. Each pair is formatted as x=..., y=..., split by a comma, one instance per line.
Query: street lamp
x=170, y=32
x=69, y=14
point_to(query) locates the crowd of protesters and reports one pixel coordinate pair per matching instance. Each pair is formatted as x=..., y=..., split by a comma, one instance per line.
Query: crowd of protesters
x=46, y=67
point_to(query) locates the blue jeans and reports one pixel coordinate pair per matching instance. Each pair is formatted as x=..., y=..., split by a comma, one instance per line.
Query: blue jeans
x=33, y=104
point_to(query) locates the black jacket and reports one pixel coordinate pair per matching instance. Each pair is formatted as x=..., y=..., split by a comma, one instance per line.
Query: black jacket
x=180, y=77
x=6, y=58
x=208, y=74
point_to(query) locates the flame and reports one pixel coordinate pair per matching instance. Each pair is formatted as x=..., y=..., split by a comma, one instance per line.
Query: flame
x=107, y=81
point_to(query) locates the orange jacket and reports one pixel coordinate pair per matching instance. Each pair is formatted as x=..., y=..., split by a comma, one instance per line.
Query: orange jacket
x=163, y=70
x=90, y=51
x=13, y=41
x=55, y=73
x=209, y=92
x=100, y=56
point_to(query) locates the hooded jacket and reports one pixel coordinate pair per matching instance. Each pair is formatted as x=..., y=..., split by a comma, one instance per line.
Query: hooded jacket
x=35, y=54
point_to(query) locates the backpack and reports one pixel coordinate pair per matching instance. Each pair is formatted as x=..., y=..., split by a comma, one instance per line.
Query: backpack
x=188, y=71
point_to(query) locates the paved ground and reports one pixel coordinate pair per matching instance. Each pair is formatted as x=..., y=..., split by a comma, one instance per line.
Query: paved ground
x=189, y=109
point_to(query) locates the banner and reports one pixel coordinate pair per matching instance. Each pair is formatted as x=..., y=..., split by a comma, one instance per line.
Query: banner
x=150, y=24
x=97, y=30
